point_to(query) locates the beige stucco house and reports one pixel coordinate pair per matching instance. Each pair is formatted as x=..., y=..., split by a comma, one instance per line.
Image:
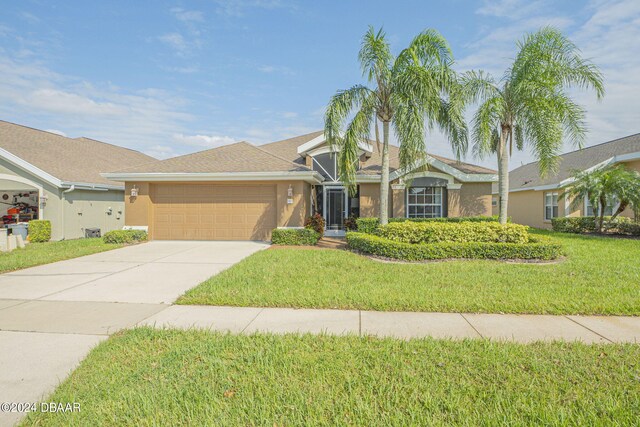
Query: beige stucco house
x=243, y=191
x=535, y=201
x=47, y=176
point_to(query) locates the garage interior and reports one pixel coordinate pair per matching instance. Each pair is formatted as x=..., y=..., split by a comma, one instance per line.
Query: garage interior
x=19, y=204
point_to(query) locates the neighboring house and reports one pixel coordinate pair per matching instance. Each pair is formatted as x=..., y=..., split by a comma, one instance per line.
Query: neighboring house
x=535, y=201
x=242, y=191
x=47, y=176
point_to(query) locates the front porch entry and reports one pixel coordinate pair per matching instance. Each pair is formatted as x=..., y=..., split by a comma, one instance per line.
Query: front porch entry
x=335, y=205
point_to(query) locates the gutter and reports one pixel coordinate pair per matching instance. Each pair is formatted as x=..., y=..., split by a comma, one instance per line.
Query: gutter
x=310, y=176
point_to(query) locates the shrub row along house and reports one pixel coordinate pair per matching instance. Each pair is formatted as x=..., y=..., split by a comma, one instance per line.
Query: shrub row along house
x=536, y=200
x=242, y=191
x=51, y=177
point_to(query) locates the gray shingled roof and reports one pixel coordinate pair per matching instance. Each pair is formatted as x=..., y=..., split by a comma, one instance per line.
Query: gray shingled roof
x=288, y=149
x=279, y=156
x=237, y=157
x=528, y=176
x=68, y=159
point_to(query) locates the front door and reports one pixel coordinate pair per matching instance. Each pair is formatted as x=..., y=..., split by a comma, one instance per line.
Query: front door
x=335, y=210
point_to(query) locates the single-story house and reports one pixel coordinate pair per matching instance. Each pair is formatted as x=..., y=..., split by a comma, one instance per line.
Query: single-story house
x=242, y=191
x=48, y=176
x=535, y=201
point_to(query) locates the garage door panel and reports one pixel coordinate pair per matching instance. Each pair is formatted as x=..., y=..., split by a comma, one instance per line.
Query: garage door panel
x=213, y=212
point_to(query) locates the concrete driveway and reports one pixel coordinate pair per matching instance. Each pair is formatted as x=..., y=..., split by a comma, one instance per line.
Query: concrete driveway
x=52, y=315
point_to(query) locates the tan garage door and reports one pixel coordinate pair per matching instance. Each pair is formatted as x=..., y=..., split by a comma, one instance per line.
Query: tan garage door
x=213, y=212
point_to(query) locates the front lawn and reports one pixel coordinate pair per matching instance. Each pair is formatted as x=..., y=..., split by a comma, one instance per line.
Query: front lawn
x=44, y=253
x=169, y=377
x=599, y=276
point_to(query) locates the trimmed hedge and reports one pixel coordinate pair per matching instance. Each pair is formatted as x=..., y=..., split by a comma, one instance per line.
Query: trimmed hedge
x=124, y=236
x=538, y=248
x=294, y=236
x=587, y=224
x=434, y=232
x=39, y=231
x=369, y=225
x=632, y=228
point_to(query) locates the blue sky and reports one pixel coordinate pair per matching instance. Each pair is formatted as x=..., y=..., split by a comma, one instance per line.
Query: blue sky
x=172, y=77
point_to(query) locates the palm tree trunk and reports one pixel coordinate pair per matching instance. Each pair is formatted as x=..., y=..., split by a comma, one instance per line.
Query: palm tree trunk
x=384, y=180
x=503, y=177
x=603, y=204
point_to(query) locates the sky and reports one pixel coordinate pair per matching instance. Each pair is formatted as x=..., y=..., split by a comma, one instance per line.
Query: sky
x=174, y=77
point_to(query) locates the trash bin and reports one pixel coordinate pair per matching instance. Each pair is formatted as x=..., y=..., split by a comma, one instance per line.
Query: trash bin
x=20, y=228
x=91, y=232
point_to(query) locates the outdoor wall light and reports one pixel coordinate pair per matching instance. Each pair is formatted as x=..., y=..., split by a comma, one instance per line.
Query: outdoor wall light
x=134, y=191
x=290, y=195
x=43, y=200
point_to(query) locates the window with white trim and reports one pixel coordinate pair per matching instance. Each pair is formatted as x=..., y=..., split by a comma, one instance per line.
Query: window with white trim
x=608, y=210
x=424, y=202
x=550, y=206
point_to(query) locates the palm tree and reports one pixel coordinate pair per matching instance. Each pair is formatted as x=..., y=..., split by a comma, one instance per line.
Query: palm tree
x=414, y=89
x=530, y=105
x=604, y=187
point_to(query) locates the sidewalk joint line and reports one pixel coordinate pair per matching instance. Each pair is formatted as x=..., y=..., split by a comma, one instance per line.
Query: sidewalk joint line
x=252, y=320
x=588, y=329
x=470, y=324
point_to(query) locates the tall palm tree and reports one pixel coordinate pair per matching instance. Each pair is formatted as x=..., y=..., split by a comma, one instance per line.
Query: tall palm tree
x=414, y=89
x=530, y=105
x=603, y=187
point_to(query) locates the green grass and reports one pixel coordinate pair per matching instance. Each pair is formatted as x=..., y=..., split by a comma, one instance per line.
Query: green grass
x=599, y=276
x=167, y=377
x=44, y=253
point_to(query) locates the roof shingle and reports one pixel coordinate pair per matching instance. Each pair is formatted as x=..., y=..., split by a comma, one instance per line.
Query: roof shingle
x=68, y=159
x=528, y=176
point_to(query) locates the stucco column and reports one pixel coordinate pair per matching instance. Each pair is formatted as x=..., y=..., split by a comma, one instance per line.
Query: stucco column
x=398, y=201
x=453, y=200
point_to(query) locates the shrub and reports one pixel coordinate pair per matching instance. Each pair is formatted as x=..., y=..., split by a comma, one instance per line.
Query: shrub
x=39, y=231
x=493, y=218
x=294, y=236
x=351, y=223
x=538, y=247
x=436, y=232
x=587, y=224
x=315, y=222
x=369, y=225
x=628, y=227
x=124, y=236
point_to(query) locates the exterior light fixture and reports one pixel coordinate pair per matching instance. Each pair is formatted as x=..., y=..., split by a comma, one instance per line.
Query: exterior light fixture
x=290, y=195
x=134, y=191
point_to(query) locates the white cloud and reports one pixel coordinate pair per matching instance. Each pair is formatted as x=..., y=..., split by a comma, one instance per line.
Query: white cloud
x=289, y=115
x=207, y=141
x=187, y=15
x=32, y=94
x=237, y=8
x=175, y=41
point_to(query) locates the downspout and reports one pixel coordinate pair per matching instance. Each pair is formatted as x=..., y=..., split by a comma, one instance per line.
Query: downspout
x=64, y=200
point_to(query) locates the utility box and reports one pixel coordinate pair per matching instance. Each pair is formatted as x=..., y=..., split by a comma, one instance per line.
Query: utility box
x=92, y=232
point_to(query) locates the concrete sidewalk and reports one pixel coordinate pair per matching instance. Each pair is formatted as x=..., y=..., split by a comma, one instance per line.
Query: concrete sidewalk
x=405, y=325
